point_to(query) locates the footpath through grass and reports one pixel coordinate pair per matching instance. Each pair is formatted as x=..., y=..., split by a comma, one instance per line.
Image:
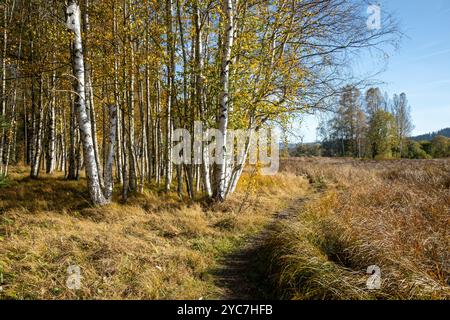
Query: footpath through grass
x=154, y=247
x=394, y=215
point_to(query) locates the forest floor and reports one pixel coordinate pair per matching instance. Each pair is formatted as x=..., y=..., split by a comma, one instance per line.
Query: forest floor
x=309, y=232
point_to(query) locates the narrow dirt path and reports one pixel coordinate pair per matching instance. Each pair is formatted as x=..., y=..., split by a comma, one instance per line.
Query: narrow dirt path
x=241, y=275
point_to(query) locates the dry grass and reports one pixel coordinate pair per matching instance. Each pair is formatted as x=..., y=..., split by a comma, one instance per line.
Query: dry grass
x=394, y=214
x=154, y=247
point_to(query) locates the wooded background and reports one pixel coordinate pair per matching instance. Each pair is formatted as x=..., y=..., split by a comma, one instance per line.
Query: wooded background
x=231, y=64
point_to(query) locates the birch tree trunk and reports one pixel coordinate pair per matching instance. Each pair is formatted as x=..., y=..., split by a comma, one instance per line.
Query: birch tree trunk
x=221, y=167
x=26, y=153
x=125, y=177
x=143, y=135
x=239, y=167
x=131, y=126
x=32, y=135
x=36, y=159
x=63, y=161
x=187, y=106
x=71, y=175
x=73, y=23
x=199, y=94
x=12, y=135
x=3, y=92
x=51, y=154
x=109, y=181
x=158, y=134
x=171, y=91
x=12, y=130
x=117, y=99
x=149, y=124
x=90, y=106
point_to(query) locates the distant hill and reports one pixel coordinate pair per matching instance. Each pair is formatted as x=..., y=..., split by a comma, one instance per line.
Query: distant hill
x=429, y=136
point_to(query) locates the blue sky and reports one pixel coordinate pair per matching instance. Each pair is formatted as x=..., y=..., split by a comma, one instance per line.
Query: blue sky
x=420, y=68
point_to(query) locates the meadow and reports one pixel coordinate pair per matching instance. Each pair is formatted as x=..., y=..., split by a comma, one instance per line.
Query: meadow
x=309, y=232
x=391, y=214
x=155, y=246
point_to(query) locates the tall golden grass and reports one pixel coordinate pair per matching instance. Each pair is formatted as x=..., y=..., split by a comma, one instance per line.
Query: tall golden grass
x=393, y=214
x=352, y=214
x=156, y=246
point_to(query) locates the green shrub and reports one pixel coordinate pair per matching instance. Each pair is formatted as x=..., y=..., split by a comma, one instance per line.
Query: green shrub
x=440, y=147
x=414, y=150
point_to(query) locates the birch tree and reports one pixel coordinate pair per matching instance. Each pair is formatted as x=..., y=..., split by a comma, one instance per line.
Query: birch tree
x=171, y=91
x=224, y=98
x=402, y=114
x=162, y=65
x=4, y=7
x=92, y=174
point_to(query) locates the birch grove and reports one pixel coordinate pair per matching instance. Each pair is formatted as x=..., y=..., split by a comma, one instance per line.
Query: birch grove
x=96, y=89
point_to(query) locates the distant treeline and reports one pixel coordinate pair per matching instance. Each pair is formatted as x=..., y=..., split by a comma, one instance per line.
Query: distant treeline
x=429, y=136
x=373, y=126
x=438, y=147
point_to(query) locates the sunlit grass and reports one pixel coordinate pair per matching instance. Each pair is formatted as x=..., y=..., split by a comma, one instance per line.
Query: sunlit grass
x=392, y=214
x=155, y=246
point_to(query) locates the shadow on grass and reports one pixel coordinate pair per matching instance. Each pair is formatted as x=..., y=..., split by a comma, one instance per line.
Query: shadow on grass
x=46, y=193
x=55, y=193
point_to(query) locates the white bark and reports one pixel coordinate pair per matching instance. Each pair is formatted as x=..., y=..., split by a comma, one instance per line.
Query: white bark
x=63, y=161
x=73, y=23
x=12, y=130
x=143, y=146
x=88, y=72
x=36, y=159
x=224, y=98
x=149, y=125
x=239, y=167
x=3, y=92
x=116, y=100
x=110, y=156
x=171, y=97
x=51, y=160
x=200, y=96
x=158, y=134
x=131, y=126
